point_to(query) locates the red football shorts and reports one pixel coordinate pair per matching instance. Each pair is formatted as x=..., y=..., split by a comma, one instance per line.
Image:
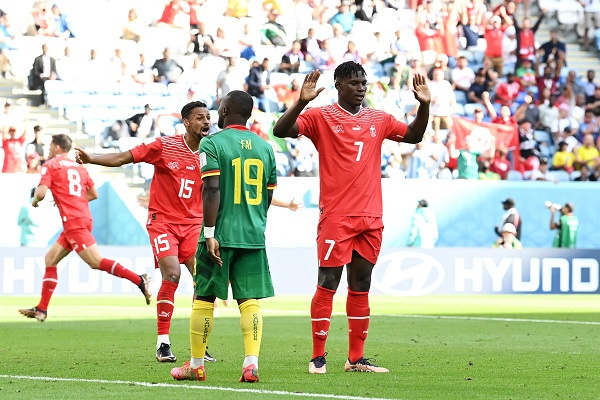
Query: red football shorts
x=173, y=240
x=337, y=237
x=77, y=235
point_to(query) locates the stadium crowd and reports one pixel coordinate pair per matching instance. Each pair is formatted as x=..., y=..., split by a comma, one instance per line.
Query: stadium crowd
x=504, y=105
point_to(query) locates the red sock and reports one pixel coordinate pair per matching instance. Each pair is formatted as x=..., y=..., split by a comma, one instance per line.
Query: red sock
x=320, y=316
x=165, y=303
x=359, y=314
x=116, y=269
x=48, y=285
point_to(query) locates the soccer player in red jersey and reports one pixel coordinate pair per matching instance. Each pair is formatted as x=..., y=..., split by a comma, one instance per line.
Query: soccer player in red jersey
x=175, y=208
x=72, y=189
x=348, y=138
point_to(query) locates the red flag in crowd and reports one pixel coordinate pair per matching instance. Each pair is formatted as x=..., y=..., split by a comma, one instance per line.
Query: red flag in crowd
x=504, y=134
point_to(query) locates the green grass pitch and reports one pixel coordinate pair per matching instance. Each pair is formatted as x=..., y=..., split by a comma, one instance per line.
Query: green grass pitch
x=436, y=347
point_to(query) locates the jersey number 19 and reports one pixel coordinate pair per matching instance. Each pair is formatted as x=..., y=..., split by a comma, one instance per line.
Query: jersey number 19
x=252, y=176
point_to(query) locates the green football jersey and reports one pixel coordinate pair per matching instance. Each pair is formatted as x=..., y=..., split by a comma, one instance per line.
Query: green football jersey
x=566, y=234
x=246, y=167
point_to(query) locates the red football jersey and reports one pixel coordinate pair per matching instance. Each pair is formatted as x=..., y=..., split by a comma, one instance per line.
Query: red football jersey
x=68, y=181
x=349, y=148
x=176, y=188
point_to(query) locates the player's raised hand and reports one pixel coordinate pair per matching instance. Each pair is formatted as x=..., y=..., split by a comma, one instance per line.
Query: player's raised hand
x=421, y=90
x=81, y=156
x=212, y=245
x=309, y=89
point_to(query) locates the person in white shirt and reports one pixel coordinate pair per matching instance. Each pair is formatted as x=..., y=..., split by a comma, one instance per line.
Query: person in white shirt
x=591, y=15
x=462, y=76
x=443, y=101
x=509, y=49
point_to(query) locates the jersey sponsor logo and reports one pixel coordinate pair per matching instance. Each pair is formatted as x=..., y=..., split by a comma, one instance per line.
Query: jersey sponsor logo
x=164, y=314
x=173, y=165
x=408, y=274
x=373, y=131
x=191, y=167
x=322, y=333
x=356, y=127
x=202, y=159
x=337, y=128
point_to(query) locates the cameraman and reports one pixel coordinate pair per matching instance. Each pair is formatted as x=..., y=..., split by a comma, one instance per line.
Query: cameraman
x=508, y=240
x=566, y=227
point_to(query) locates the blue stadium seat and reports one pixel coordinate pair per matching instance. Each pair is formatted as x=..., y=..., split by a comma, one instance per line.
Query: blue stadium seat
x=514, y=175
x=470, y=108
x=459, y=109
x=561, y=176
x=574, y=175
x=542, y=136
x=461, y=97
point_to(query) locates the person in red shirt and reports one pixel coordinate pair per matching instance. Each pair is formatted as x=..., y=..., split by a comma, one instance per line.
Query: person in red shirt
x=493, y=36
x=72, y=190
x=13, y=151
x=175, y=208
x=348, y=138
x=507, y=92
x=500, y=164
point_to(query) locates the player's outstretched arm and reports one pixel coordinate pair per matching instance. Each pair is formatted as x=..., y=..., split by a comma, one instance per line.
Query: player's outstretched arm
x=211, y=200
x=416, y=129
x=107, y=160
x=292, y=205
x=286, y=126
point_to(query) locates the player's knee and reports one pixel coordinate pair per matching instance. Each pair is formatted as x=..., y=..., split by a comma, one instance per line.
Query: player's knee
x=171, y=276
x=361, y=284
x=329, y=281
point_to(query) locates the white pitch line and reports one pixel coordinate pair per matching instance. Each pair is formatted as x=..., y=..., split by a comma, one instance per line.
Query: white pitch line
x=197, y=387
x=544, y=321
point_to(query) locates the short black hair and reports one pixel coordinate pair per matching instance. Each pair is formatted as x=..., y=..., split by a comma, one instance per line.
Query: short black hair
x=37, y=128
x=187, y=109
x=63, y=141
x=240, y=103
x=347, y=70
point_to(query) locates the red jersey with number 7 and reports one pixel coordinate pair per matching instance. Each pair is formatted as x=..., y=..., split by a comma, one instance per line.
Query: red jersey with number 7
x=349, y=147
x=176, y=188
x=68, y=181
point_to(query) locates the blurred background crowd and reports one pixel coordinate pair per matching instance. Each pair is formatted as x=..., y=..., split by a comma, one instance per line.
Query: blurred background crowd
x=514, y=92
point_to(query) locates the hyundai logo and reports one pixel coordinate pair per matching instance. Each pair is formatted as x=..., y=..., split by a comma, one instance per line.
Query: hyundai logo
x=407, y=273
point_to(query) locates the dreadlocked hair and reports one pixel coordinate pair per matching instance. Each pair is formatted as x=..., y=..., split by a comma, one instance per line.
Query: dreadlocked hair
x=347, y=70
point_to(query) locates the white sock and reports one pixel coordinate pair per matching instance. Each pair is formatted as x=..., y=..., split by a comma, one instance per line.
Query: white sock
x=196, y=362
x=162, y=339
x=250, y=360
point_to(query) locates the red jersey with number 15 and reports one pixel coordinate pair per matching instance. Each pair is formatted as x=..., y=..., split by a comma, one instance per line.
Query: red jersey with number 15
x=176, y=188
x=349, y=147
x=68, y=181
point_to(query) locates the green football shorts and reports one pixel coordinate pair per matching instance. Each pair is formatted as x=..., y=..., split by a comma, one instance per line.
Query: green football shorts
x=246, y=269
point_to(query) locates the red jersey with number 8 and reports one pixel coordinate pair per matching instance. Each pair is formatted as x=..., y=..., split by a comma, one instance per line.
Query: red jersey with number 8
x=68, y=181
x=176, y=188
x=349, y=147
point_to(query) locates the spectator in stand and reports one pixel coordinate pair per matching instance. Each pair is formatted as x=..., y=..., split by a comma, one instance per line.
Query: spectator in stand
x=494, y=35
x=237, y=8
x=529, y=111
x=343, y=16
x=591, y=19
x=563, y=159
x=468, y=167
x=201, y=41
x=478, y=87
x=507, y=92
x=491, y=76
x=441, y=63
x=472, y=32
x=224, y=46
x=569, y=138
x=400, y=73
x=259, y=82
x=590, y=86
x=593, y=102
x=541, y=173
x=505, y=117
x=325, y=59
x=443, y=101
x=553, y=49
x=116, y=68
x=35, y=148
x=549, y=79
x=462, y=76
x=165, y=69
x=485, y=173
x=12, y=144
x=526, y=73
x=175, y=15
x=323, y=30
x=548, y=110
x=133, y=28
x=272, y=31
x=509, y=49
x=44, y=69
x=578, y=110
x=142, y=125
x=62, y=28
x=587, y=154
x=450, y=21
x=500, y=163
x=526, y=37
x=564, y=121
x=293, y=59
x=43, y=23
x=429, y=37
x=352, y=54
x=589, y=126
x=338, y=44
x=586, y=176
x=453, y=152
x=232, y=78
x=143, y=72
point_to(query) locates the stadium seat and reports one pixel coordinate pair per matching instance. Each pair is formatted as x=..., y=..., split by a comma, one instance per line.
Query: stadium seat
x=155, y=88
x=470, y=109
x=527, y=175
x=280, y=78
x=459, y=109
x=542, y=136
x=461, y=97
x=444, y=174
x=574, y=175
x=561, y=176
x=514, y=175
